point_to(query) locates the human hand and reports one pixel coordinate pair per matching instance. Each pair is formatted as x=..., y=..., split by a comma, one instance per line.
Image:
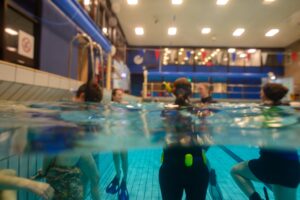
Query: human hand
x=43, y=190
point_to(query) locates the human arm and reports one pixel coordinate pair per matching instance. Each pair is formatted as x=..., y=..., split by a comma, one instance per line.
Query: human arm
x=8, y=181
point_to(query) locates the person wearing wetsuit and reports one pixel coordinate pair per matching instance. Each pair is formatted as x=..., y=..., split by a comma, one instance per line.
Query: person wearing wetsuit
x=183, y=162
x=205, y=94
x=280, y=168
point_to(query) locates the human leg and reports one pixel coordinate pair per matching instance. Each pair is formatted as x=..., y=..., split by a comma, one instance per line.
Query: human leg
x=124, y=158
x=116, y=158
x=170, y=184
x=282, y=193
x=123, y=192
x=242, y=175
x=89, y=168
x=114, y=186
x=196, y=182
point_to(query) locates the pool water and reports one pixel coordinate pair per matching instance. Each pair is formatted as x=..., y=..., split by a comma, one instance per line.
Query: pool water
x=234, y=132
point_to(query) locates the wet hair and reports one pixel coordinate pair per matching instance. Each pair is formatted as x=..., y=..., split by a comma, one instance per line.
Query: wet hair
x=114, y=92
x=93, y=93
x=274, y=92
x=182, y=91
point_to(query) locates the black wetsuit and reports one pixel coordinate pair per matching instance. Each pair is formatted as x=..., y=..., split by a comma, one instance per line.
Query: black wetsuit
x=174, y=175
x=208, y=99
x=276, y=166
x=280, y=167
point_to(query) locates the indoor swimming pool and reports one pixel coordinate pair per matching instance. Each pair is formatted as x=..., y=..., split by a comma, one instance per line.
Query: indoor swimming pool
x=30, y=131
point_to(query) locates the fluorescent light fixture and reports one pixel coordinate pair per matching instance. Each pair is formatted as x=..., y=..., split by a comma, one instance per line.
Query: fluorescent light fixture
x=177, y=2
x=104, y=29
x=21, y=61
x=12, y=49
x=206, y=30
x=86, y=2
x=231, y=50
x=251, y=50
x=243, y=55
x=268, y=1
x=272, y=32
x=123, y=75
x=222, y=2
x=238, y=32
x=172, y=31
x=11, y=31
x=139, y=31
x=132, y=2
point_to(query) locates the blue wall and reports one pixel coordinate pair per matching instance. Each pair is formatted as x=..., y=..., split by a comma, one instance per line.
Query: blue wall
x=56, y=34
x=250, y=75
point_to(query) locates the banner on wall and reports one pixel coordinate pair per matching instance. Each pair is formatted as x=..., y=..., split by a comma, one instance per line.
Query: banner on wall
x=25, y=44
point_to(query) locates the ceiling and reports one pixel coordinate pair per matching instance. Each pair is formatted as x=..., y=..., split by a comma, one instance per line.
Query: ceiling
x=155, y=16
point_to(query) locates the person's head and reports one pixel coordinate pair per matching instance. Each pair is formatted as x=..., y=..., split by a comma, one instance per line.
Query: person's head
x=117, y=95
x=182, y=90
x=273, y=92
x=204, y=90
x=89, y=92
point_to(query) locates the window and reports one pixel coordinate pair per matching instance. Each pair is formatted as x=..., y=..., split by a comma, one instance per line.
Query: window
x=18, y=39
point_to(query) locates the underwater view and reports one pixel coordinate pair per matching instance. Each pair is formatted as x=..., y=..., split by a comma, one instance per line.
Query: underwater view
x=120, y=151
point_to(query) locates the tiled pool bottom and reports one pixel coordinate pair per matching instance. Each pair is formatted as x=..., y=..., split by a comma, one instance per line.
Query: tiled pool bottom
x=142, y=182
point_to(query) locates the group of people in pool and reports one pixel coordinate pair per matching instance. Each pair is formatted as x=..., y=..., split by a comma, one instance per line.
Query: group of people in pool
x=184, y=165
x=185, y=168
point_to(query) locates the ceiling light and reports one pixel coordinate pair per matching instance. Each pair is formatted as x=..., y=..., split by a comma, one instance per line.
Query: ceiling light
x=231, y=50
x=11, y=31
x=251, y=50
x=243, y=55
x=238, y=32
x=217, y=50
x=86, y=2
x=222, y=2
x=21, y=61
x=268, y=1
x=272, y=32
x=12, y=49
x=172, y=31
x=166, y=49
x=132, y=2
x=182, y=49
x=139, y=31
x=206, y=30
x=104, y=29
x=202, y=49
x=177, y=2
x=180, y=53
